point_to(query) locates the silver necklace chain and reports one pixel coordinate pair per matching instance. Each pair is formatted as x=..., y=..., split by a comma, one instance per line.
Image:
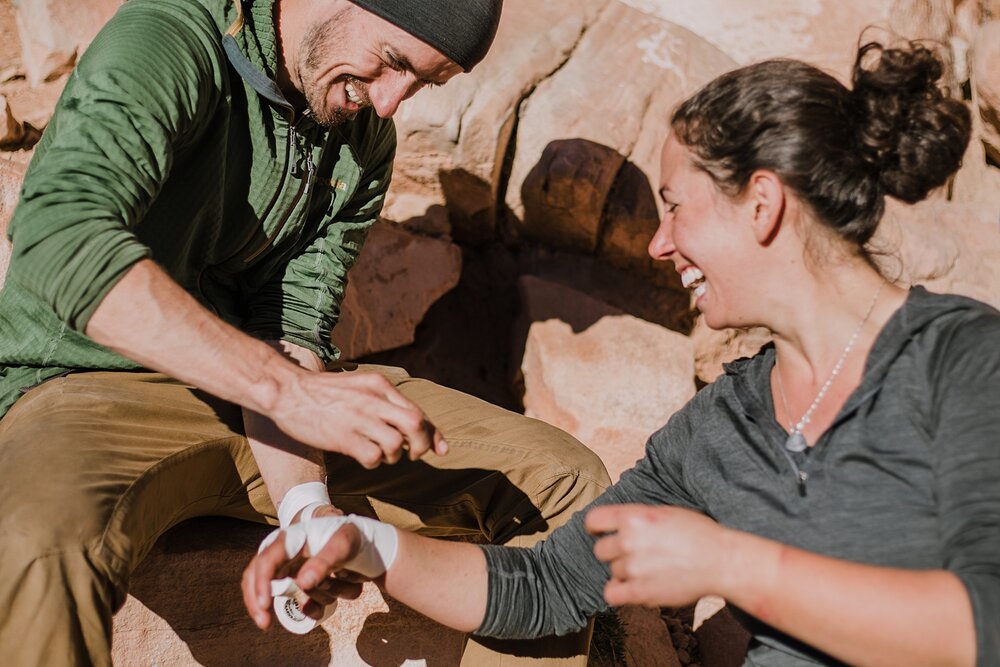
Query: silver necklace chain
x=796, y=442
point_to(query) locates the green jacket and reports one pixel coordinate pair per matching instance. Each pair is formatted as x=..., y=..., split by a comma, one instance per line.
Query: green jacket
x=160, y=148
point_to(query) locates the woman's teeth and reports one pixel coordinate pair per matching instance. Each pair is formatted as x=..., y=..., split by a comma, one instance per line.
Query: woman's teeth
x=352, y=95
x=693, y=277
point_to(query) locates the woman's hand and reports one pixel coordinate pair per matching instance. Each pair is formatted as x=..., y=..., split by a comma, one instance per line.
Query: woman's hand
x=659, y=556
x=319, y=576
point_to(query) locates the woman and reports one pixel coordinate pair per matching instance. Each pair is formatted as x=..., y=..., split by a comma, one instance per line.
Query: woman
x=842, y=487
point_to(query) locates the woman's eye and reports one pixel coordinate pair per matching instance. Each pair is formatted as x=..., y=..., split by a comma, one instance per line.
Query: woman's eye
x=670, y=207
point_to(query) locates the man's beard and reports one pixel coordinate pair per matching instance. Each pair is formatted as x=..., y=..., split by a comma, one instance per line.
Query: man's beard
x=317, y=45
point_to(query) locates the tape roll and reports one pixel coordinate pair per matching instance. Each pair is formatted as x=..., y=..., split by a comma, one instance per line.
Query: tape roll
x=380, y=543
x=288, y=611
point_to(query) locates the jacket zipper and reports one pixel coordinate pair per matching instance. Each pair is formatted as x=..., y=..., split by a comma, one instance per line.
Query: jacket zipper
x=293, y=169
x=290, y=167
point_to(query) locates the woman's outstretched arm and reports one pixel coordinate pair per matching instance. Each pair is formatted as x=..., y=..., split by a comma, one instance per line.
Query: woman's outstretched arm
x=446, y=581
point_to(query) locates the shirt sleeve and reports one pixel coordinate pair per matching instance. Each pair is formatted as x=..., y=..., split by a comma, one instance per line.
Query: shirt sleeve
x=557, y=585
x=132, y=99
x=965, y=377
x=301, y=304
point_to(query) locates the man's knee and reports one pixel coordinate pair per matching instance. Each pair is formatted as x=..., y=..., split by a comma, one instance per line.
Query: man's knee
x=57, y=604
x=568, y=458
x=561, y=478
x=564, y=489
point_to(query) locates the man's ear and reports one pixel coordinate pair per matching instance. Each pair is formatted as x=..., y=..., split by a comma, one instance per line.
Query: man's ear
x=766, y=194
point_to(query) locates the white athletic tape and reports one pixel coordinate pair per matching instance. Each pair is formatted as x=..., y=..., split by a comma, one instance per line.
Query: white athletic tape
x=288, y=611
x=305, y=498
x=379, y=546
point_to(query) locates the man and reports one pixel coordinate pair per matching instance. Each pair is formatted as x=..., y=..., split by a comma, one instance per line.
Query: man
x=179, y=255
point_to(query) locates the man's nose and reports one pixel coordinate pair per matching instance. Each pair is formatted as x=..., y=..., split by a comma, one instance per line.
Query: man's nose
x=388, y=92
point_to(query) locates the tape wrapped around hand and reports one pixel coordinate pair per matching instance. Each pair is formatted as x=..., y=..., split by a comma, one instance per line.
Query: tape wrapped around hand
x=379, y=545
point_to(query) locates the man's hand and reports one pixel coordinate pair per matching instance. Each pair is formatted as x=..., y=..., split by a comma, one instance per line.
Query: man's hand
x=358, y=414
x=659, y=556
x=319, y=576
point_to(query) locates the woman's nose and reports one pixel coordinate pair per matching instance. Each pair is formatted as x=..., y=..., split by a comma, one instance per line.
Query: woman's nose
x=661, y=246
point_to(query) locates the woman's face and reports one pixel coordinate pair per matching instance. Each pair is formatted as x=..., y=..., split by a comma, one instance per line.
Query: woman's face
x=707, y=236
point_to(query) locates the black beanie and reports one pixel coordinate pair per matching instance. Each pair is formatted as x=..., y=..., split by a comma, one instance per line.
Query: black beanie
x=460, y=29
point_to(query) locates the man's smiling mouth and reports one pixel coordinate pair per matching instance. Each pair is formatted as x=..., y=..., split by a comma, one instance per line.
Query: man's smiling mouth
x=353, y=95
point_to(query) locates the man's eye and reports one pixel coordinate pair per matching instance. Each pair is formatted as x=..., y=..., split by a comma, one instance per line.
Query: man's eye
x=670, y=207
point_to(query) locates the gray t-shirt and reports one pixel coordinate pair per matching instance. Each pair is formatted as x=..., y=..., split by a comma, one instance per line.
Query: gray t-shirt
x=907, y=476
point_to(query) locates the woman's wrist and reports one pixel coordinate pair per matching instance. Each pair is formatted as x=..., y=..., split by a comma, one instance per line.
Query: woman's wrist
x=748, y=567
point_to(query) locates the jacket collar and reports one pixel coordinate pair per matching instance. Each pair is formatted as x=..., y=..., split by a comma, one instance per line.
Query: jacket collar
x=251, y=46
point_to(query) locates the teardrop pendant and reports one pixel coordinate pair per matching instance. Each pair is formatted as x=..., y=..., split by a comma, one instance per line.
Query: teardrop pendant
x=796, y=442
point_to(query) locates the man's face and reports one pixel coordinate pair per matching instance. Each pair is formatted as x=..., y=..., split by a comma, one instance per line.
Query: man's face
x=356, y=59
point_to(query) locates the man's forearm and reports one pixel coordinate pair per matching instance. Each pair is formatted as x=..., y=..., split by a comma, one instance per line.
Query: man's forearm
x=174, y=334
x=150, y=319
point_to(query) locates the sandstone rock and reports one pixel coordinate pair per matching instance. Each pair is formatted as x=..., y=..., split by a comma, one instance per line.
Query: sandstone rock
x=185, y=608
x=611, y=383
x=713, y=348
x=822, y=33
x=934, y=22
x=924, y=19
x=607, y=105
x=977, y=183
x=986, y=80
x=33, y=107
x=642, y=296
x=945, y=246
x=969, y=15
x=11, y=129
x=399, y=275
x=53, y=33
x=11, y=176
x=453, y=139
x=706, y=608
x=543, y=299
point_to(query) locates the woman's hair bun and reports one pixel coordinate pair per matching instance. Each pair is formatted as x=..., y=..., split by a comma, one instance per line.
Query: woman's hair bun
x=910, y=131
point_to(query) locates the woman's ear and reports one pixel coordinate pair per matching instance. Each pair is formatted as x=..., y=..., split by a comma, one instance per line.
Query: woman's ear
x=766, y=195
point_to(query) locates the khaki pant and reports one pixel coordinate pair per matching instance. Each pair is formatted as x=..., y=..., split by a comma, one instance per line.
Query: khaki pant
x=95, y=466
